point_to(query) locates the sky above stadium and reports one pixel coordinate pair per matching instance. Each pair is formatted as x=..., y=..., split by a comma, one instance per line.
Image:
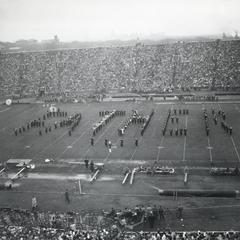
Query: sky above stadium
x=93, y=20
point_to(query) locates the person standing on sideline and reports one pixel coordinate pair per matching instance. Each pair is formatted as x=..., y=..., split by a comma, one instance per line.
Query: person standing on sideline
x=34, y=203
x=92, y=166
x=179, y=212
x=86, y=161
x=67, y=199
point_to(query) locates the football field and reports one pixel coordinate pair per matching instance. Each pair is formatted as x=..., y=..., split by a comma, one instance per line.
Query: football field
x=195, y=152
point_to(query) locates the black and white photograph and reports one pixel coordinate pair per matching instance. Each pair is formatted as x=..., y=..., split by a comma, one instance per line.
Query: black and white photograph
x=119, y=119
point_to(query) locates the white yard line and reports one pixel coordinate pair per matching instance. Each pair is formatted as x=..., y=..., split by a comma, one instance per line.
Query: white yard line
x=113, y=144
x=98, y=138
x=210, y=150
x=209, y=145
x=57, y=139
x=185, y=141
x=50, y=145
x=135, y=150
x=114, y=132
x=233, y=142
x=4, y=110
x=162, y=139
x=73, y=143
x=80, y=186
x=159, y=149
x=235, y=148
x=2, y=170
x=107, y=157
x=25, y=111
x=219, y=106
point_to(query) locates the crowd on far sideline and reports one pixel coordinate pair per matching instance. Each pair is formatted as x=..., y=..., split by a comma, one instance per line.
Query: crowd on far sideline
x=140, y=68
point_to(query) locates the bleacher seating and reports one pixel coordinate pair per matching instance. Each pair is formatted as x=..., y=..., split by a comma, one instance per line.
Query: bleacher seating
x=139, y=68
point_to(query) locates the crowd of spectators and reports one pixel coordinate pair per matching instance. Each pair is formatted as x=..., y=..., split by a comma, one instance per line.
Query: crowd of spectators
x=138, y=68
x=171, y=235
x=27, y=233
x=29, y=225
x=35, y=218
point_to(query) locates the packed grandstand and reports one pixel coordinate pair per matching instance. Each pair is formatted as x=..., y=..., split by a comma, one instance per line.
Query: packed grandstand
x=139, y=68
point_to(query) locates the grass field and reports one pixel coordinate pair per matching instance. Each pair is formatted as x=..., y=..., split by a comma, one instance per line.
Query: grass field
x=196, y=151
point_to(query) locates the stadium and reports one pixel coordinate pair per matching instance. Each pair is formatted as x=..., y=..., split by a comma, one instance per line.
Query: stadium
x=127, y=142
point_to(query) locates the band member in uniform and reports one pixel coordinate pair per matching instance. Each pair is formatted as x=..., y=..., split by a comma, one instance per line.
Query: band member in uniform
x=86, y=161
x=92, y=166
x=176, y=132
x=207, y=131
x=185, y=132
x=109, y=144
x=181, y=131
x=163, y=132
x=92, y=141
x=67, y=199
x=215, y=119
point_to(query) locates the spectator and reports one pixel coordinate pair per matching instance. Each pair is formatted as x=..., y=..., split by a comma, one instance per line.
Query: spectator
x=34, y=203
